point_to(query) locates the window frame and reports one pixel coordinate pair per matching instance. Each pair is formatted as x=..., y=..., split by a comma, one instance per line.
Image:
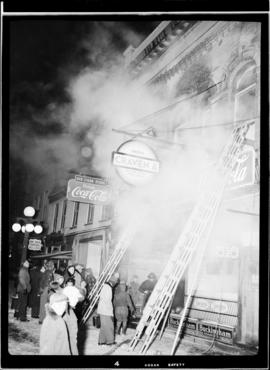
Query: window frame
x=89, y=220
x=75, y=214
x=64, y=212
x=55, y=217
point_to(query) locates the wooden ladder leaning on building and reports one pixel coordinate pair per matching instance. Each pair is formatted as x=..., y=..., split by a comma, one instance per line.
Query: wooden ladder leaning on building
x=195, y=232
x=108, y=270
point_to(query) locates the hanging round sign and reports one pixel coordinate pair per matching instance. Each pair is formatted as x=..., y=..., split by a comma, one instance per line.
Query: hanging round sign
x=135, y=162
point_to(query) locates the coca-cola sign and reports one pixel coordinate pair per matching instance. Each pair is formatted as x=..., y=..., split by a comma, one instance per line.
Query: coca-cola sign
x=85, y=192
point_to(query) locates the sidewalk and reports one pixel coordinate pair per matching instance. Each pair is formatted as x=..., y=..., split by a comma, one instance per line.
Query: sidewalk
x=24, y=340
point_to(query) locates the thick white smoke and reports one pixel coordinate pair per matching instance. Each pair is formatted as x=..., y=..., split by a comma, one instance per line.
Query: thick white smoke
x=103, y=98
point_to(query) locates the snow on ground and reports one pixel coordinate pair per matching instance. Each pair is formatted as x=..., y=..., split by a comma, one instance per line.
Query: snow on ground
x=24, y=340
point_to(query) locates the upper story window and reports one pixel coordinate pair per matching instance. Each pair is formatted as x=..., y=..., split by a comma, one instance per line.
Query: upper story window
x=106, y=212
x=56, y=209
x=90, y=214
x=246, y=102
x=64, y=211
x=75, y=214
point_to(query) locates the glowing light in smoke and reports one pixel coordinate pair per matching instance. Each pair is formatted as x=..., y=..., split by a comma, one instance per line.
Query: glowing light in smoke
x=16, y=227
x=38, y=229
x=23, y=229
x=29, y=228
x=29, y=211
x=86, y=152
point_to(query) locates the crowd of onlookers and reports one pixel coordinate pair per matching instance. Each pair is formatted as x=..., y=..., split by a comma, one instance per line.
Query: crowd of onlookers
x=58, y=298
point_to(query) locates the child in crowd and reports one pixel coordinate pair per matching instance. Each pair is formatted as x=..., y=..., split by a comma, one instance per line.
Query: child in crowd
x=73, y=293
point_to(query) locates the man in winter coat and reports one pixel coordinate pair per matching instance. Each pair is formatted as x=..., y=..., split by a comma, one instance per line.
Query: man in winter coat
x=133, y=290
x=105, y=311
x=34, y=296
x=122, y=304
x=147, y=287
x=54, y=334
x=23, y=289
x=47, y=278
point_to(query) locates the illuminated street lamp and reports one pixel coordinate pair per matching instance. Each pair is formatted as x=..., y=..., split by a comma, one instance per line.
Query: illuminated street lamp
x=29, y=212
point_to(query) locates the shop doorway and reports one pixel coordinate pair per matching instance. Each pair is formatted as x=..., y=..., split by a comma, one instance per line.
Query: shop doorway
x=89, y=255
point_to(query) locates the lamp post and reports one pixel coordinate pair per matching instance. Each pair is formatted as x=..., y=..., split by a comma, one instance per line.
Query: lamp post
x=28, y=212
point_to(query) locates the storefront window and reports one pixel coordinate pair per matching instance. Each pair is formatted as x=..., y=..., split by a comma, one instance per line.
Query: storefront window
x=106, y=212
x=64, y=214
x=55, y=217
x=90, y=214
x=75, y=215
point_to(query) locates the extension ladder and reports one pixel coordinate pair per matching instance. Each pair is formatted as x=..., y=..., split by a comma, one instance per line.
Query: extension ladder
x=108, y=270
x=202, y=215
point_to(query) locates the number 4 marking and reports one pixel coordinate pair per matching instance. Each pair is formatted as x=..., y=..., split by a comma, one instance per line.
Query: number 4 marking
x=116, y=363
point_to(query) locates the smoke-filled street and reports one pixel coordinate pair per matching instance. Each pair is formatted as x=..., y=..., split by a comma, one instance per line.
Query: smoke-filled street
x=134, y=189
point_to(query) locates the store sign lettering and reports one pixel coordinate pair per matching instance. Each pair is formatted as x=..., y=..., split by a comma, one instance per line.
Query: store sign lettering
x=88, y=193
x=136, y=163
x=243, y=173
x=34, y=244
x=208, y=329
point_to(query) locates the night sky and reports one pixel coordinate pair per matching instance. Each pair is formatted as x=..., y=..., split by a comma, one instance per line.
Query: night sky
x=43, y=54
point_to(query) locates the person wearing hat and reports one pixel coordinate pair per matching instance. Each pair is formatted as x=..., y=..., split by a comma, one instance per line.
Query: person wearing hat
x=90, y=279
x=147, y=287
x=122, y=305
x=23, y=289
x=47, y=278
x=105, y=311
x=75, y=272
x=34, y=296
x=54, y=334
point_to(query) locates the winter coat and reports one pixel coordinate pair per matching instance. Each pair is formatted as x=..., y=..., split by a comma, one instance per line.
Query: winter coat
x=45, y=280
x=72, y=325
x=90, y=282
x=122, y=303
x=54, y=335
x=147, y=286
x=105, y=306
x=134, y=292
x=78, y=279
x=23, y=281
x=35, y=278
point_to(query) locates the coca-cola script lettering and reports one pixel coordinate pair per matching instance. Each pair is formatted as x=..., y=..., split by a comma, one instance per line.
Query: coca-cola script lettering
x=97, y=195
x=84, y=192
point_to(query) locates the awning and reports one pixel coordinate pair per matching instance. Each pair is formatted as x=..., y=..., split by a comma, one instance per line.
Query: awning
x=56, y=255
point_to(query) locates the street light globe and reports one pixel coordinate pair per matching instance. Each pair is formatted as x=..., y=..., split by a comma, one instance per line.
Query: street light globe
x=29, y=228
x=38, y=229
x=23, y=228
x=16, y=227
x=29, y=211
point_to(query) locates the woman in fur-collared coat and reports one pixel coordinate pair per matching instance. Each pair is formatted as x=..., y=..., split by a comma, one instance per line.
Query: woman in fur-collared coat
x=54, y=334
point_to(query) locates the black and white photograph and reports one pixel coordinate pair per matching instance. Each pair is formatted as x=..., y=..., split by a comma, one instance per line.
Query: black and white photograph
x=134, y=198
